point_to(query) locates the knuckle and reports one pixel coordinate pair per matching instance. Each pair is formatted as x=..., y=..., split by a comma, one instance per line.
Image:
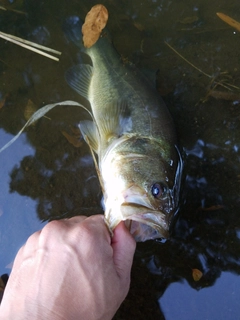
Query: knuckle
x=51, y=233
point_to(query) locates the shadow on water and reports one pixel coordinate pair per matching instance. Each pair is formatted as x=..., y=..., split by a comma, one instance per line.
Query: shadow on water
x=61, y=179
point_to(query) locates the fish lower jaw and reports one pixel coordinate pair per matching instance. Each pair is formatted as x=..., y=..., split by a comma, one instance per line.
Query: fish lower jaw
x=145, y=226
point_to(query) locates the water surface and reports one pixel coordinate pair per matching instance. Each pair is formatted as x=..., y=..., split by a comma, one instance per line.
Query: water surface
x=44, y=177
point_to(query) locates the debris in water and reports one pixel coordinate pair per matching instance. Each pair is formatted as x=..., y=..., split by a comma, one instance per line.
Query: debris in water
x=233, y=23
x=189, y=20
x=196, y=274
x=95, y=21
x=211, y=208
x=74, y=139
x=224, y=95
x=2, y=102
x=30, y=45
x=29, y=110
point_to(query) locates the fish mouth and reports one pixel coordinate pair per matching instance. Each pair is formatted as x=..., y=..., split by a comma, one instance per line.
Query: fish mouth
x=142, y=222
x=147, y=226
x=142, y=232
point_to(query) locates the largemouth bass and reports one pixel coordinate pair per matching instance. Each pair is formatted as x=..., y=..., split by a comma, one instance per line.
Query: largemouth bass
x=132, y=134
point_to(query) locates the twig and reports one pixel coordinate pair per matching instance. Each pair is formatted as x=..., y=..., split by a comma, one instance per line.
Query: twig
x=13, y=10
x=30, y=45
x=222, y=84
x=207, y=75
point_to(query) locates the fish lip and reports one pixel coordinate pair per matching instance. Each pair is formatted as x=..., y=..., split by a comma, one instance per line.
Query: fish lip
x=145, y=223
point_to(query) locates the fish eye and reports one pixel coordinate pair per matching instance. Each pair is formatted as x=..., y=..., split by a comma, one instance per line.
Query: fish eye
x=158, y=189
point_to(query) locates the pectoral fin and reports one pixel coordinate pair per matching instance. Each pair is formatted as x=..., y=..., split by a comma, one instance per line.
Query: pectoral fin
x=79, y=77
x=115, y=121
x=91, y=136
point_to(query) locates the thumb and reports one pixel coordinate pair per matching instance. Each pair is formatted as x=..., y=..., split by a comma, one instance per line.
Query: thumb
x=124, y=247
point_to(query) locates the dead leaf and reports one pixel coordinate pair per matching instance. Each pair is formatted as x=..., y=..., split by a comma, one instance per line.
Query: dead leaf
x=29, y=109
x=233, y=23
x=95, y=21
x=138, y=25
x=224, y=95
x=196, y=274
x=75, y=138
x=189, y=20
x=2, y=102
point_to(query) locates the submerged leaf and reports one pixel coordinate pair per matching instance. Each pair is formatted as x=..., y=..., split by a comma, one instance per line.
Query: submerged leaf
x=2, y=102
x=224, y=95
x=196, y=274
x=138, y=25
x=75, y=138
x=95, y=21
x=29, y=109
x=189, y=20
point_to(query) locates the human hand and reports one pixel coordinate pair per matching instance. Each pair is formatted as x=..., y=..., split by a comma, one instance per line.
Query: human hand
x=71, y=269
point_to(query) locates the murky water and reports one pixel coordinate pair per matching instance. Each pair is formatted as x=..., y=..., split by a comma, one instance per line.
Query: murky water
x=43, y=176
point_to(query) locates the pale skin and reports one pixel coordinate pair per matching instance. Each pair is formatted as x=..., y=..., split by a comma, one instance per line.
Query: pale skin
x=71, y=269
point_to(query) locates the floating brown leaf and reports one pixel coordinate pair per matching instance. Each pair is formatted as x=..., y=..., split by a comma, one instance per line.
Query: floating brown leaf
x=95, y=21
x=233, y=23
x=196, y=274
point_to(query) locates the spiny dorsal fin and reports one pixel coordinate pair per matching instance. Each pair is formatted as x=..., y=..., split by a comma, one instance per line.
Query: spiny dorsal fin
x=79, y=77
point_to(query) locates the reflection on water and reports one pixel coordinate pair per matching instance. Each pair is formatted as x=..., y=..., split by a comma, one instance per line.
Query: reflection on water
x=210, y=300
x=43, y=176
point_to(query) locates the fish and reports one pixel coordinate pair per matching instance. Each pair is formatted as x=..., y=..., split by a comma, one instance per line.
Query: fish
x=132, y=138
